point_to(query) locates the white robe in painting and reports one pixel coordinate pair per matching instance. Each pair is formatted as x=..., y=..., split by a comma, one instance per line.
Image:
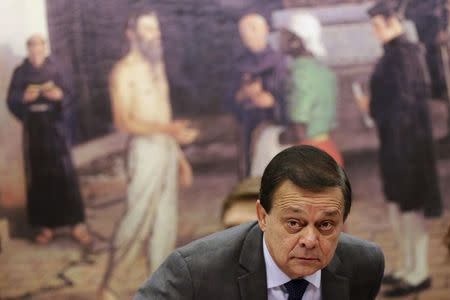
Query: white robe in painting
x=265, y=147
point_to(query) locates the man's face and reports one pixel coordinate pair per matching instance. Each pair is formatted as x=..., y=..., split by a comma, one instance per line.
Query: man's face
x=254, y=31
x=302, y=229
x=37, y=50
x=148, y=37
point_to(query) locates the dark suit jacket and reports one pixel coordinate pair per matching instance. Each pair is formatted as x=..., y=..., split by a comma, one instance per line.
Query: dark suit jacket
x=230, y=265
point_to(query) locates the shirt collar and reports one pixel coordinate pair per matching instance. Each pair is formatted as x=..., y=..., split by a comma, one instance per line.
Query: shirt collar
x=276, y=277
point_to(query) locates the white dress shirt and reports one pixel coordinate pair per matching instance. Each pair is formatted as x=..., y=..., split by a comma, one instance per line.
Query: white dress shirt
x=276, y=280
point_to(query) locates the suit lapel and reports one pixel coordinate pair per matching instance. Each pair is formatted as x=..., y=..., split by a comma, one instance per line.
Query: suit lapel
x=334, y=286
x=252, y=275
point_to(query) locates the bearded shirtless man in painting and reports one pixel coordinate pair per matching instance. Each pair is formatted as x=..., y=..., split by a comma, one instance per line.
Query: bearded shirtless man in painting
x=141, y=107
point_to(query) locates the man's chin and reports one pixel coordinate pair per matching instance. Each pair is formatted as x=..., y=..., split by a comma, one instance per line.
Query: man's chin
x=304, y=267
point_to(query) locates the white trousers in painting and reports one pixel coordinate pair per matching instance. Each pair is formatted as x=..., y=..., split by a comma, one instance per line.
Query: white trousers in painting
x=150, y=219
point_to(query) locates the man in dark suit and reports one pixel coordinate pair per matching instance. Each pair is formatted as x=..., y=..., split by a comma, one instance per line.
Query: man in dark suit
x=295, y=251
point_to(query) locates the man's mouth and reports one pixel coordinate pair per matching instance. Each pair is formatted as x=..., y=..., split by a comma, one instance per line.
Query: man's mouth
x=311, y=259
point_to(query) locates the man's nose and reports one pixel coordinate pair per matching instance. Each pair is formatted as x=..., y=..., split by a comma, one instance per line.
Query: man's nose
x=308, y=238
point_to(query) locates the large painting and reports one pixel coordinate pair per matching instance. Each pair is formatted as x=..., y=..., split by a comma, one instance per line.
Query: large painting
x=130, y=128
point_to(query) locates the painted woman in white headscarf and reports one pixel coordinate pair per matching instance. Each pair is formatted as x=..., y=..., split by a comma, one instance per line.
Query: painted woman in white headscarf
x=312, y=93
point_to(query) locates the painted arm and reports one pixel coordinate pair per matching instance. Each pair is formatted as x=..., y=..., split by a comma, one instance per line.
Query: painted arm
x=15, y=96
x=185, y=170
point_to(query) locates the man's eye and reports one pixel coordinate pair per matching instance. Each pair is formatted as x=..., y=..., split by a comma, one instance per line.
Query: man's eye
x=293, y=224
x=326, y=226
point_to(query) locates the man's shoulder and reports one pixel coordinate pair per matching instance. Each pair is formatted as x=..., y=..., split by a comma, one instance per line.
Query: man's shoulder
x=22, y=65
x=356, y=250
x=362, y=263
x=225, y=241
x=347, y=240
x=123, y=67
x=274, y=53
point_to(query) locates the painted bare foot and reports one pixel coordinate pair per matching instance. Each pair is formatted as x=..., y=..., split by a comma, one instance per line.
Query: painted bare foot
x=44, y=237
x=106, y=294
x=81, y=233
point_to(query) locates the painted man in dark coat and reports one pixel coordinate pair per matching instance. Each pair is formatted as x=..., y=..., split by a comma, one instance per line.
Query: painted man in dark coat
x=431, y=20
x=400, y=88
x=257, y=87
x=37, y=96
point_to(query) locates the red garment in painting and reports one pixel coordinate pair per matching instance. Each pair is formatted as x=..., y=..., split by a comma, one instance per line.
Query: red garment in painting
x=329, y=147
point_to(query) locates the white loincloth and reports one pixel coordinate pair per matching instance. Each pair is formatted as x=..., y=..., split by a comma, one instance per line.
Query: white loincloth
x=150, y=220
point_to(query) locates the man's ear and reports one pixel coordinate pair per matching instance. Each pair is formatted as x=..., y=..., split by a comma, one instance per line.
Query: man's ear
x=261, y=215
